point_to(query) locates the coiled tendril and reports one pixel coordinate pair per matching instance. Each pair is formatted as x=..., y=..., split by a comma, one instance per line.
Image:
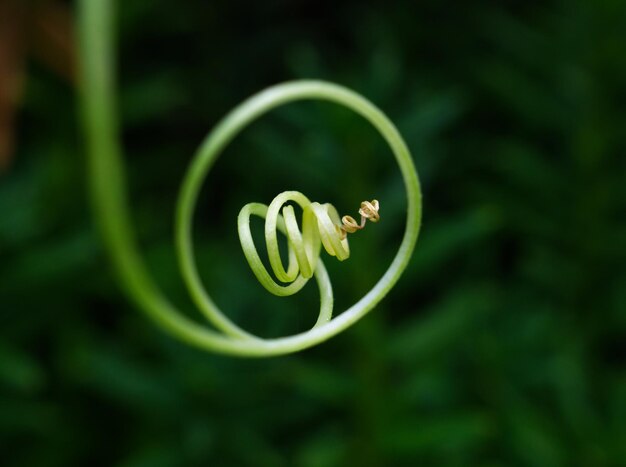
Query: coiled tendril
x=320, y=225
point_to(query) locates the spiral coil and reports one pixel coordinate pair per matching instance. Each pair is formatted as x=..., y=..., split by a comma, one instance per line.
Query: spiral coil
x=320, y=226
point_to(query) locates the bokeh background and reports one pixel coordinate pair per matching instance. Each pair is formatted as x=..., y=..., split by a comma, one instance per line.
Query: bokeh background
x=504, y=344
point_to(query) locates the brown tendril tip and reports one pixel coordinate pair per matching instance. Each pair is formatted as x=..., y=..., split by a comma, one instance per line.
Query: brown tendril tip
x=369, y=211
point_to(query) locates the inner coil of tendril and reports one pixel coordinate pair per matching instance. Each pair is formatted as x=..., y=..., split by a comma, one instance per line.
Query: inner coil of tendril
x=321, y=226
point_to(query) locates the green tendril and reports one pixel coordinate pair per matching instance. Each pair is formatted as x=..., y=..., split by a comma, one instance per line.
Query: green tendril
x=321, y=225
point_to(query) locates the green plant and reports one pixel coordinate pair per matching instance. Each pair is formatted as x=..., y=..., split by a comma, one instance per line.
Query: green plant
x=106, y=174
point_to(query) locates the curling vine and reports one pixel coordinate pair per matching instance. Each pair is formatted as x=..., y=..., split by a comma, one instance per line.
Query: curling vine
x=321, y=225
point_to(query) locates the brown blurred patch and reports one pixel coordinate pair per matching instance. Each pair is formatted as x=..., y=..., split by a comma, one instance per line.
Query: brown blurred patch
x=12, y=46
x=43, y=28
x=52, y=38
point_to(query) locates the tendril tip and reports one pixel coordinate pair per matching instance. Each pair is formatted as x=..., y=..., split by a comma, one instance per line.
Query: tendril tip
x=368, y=211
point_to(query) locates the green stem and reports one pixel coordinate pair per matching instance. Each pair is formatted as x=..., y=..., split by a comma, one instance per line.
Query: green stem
x=109, y=197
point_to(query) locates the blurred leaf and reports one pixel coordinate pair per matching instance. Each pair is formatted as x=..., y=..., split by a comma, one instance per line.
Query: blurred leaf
x=20, y=371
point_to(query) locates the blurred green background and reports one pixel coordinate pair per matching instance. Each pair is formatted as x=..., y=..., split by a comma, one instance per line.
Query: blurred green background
x=504, y=344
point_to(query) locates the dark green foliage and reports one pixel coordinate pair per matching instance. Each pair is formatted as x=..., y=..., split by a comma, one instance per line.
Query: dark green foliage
x=505, y=341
